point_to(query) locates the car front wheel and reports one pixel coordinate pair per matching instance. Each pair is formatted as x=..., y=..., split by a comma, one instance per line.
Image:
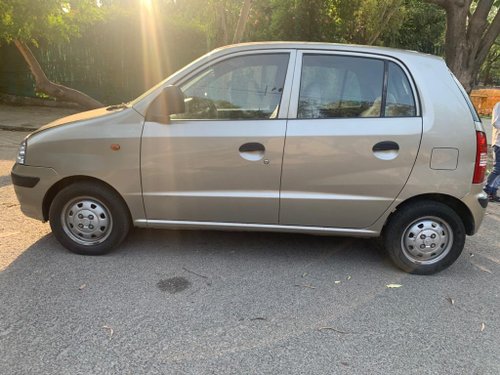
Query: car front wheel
x=424, y=237
x=89, y=218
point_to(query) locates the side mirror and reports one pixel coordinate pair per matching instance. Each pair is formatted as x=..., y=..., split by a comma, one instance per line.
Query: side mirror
x=169, y=102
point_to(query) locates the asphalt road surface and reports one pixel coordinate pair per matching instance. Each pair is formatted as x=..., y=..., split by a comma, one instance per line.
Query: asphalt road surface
x=172, y=302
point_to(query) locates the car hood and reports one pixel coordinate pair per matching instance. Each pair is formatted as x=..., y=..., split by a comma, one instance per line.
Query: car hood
x=78, y=117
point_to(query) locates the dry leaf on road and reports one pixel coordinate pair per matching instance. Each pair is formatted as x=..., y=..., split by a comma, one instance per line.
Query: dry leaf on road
x=110, y=330
x=394, y=286
x=332, y=329
x=482, y=268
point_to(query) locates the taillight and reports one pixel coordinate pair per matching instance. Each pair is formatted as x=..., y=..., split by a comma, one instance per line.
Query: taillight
x=481, y=158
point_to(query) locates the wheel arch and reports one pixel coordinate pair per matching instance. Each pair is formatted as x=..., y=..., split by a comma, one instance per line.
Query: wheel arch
x=455, y=204
x=67, y=181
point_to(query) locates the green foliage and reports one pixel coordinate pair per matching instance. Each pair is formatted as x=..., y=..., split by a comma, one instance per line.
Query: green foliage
x=421, y=30
x=490, y=71
x=33, y=21
x=383, y=17
x=412, y=24
x=313, y=20
x=301, y=20
x=124, y=53
x=117, y=46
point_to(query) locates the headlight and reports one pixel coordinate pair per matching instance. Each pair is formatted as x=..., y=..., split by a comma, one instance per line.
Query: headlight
x=21, y=154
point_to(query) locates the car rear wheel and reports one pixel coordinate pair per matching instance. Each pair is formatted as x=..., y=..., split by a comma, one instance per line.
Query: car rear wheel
x=424, y=237
x=89, y=218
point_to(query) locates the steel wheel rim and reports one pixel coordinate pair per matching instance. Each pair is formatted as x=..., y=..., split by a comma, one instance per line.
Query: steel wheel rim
x=87, y=221
x=427, y=240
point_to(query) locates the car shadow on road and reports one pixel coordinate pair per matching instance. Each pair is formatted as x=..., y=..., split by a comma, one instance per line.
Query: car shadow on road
x=218, y=252
x=206, y=248
x=253, y=246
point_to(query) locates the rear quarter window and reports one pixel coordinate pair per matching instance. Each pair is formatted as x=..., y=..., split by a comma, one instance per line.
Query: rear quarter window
x=400, y=101
x=472, y=109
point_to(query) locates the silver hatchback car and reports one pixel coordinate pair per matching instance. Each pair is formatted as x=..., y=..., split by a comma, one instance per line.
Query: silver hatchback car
x=293, y=137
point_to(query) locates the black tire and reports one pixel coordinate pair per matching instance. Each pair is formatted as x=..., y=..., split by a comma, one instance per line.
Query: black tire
x=424, y=237
x=88, y=218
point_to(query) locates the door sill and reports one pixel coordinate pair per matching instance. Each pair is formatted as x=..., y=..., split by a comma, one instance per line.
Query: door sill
x=210, y=225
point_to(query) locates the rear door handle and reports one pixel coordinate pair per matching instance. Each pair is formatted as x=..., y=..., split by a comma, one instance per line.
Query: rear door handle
x=252, y=147
x=385, y=146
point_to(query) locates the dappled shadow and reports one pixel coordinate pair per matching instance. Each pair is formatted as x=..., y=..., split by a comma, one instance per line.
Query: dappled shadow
x=5, y=181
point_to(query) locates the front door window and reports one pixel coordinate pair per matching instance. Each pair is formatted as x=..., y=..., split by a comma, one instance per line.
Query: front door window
x=240, y=88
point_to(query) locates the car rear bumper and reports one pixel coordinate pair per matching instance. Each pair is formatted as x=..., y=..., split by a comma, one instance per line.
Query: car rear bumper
x=31, y=185
x=476, y=201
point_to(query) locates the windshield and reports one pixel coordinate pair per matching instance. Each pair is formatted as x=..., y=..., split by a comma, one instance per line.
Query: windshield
x=163, y=83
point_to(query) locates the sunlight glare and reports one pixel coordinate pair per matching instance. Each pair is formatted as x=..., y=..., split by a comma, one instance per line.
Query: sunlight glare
x=155, y=59
x=148, y=4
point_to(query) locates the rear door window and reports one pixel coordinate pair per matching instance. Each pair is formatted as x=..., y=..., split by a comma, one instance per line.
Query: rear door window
x=340, y=86
x=335, y=86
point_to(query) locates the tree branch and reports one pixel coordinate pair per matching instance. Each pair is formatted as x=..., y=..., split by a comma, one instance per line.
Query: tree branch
x=479, y=20
x=494, y=57
x=29, y=58
x=386, y=16
x=222, y=14
x=462, y=3
x=448, y=3
x=441, y=3
x=488, y=39
x=242, y=21
x=43, y=84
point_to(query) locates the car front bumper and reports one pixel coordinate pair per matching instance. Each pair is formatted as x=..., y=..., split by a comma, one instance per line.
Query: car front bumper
x=31, y=185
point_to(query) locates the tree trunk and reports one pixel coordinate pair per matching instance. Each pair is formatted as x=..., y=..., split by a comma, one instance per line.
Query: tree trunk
x=469, y=37
x=456, y=48
x=242, y=21
x=223, y=23
x=43, y=84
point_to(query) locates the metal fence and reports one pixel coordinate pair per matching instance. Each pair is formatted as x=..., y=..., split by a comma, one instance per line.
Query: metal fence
x=113, y=63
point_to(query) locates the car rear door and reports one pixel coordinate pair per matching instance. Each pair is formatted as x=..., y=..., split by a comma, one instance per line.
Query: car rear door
x=221, y=160
x=352, y=139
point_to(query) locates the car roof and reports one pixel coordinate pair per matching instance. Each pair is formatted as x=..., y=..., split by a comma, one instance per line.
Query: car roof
x=386, y=51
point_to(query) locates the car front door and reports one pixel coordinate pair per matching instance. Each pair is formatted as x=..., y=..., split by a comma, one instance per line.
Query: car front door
x=220, y=161
x=351, y=141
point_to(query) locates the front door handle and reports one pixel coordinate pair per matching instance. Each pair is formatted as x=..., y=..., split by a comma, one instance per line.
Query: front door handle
x=252, y=147
x=385, y=146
